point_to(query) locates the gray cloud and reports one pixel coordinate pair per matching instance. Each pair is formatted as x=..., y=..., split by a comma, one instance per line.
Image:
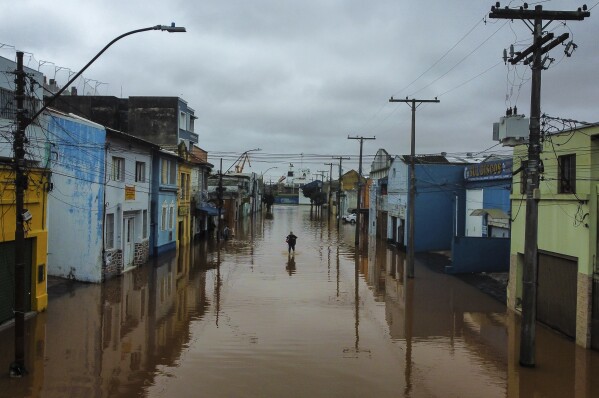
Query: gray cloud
x=298, y=77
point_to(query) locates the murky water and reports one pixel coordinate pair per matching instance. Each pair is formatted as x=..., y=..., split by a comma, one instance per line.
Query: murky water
x=249, y=321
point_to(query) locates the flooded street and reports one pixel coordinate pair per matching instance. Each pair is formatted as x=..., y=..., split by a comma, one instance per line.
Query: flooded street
x=249, y=321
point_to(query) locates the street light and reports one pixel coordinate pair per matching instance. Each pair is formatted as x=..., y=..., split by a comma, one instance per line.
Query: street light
x=270, y=168
x=264, y=172
x=17, y=368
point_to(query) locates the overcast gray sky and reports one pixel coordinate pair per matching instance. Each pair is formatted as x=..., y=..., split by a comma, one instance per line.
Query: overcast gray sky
x=298, y=77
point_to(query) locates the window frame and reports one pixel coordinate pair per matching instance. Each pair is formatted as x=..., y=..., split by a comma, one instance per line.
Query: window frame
x=140, y=171
x=118, y=169
x=566, y=174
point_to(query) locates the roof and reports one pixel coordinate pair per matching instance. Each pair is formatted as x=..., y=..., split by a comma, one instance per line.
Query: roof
x=497, y=214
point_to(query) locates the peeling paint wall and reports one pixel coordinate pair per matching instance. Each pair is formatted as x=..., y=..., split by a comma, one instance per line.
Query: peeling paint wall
x=75, y=214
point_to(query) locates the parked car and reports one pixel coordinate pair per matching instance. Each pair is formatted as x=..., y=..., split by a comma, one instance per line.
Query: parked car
x=351, y=218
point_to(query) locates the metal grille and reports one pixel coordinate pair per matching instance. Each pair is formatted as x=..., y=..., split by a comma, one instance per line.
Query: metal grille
x=8, y=104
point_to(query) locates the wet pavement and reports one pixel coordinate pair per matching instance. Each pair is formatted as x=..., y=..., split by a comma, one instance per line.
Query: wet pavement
x=247, y=320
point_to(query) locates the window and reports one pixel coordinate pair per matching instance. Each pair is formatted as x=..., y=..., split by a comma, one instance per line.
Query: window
x=164, y=172
x=566, y=174
x=184, y=186
x=164, y=217
x=182, y=121
x=168, y=172
x=140, y=172
x=118, y=169
x=110, y=231
x=171, y=215
x=145, y=224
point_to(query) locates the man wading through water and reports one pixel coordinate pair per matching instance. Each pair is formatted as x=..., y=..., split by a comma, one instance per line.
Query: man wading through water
x=291, y=238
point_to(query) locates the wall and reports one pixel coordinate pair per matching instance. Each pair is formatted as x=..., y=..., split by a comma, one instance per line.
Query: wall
x=128, y=198
x=75, y=204
x=35, y=200
x=436, y=187
x=477, y=254
x=163, y=195
x=154, y=119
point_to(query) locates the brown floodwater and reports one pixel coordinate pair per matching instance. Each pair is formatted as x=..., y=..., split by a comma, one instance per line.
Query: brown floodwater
x=248, y=320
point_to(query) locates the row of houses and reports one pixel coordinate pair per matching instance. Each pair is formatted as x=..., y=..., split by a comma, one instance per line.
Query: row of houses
x=110, y=182
x=474, y=208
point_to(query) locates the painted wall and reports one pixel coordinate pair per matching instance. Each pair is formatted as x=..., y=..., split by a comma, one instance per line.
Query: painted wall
x=478, y=254
x=35, y=200
x=75, y=204
x=126, y=199
x=567, y=222
x=163, y=196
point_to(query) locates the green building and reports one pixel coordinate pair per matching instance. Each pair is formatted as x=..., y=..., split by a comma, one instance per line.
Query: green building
x=568, y=273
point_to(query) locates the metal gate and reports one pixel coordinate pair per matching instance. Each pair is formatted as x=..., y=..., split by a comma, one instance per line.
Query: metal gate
x=595, y=316
x=7, y=278
x=556, y=293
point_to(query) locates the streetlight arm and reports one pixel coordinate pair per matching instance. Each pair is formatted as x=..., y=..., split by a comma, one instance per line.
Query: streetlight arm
x=50, y=101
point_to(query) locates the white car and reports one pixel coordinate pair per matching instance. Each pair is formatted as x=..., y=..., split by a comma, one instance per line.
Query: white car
x=351, y=218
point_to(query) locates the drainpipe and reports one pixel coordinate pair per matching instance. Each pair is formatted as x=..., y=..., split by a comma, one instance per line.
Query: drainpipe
x=104, y=207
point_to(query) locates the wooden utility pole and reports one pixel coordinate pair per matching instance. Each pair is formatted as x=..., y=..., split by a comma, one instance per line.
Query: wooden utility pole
x=330, y=186
x=412, y=191
x=529, y=274
x=359, y=204
x=17, y=368
x=339, y=210
x=219, y=196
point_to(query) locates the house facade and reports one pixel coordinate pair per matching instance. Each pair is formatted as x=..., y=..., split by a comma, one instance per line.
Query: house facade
x=438, y=185
x=98, y=209
x=164, y=201
x=482, y=221
x=568, y=271
x=35, y=196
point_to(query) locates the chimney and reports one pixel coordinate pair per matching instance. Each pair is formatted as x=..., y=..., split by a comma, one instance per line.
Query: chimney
x=73, y=90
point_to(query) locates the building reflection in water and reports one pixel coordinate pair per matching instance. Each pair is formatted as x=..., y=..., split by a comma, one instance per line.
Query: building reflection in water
x=435, y=335
x=108, y=340
x=454, y=333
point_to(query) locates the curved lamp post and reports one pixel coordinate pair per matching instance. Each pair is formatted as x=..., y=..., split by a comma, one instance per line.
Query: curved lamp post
x=17, y=368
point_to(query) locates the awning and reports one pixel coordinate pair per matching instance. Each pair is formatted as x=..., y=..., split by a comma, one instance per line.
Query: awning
x=496, y=214
x=211, y=211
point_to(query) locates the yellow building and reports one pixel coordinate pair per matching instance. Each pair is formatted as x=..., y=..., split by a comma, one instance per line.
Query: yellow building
x=36, y=238
x=184, y=198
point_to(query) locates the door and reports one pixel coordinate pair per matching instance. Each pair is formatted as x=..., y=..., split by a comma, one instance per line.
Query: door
x=595, y=314
x=7, y=278
x=128, y=242
x=474, y=200
x=556, y=293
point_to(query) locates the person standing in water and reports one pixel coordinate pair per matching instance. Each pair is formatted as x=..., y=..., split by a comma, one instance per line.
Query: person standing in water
x=291, y=239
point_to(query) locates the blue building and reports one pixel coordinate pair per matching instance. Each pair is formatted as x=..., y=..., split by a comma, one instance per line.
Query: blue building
x=439, y=183
x=164, y=201
x=481, y=241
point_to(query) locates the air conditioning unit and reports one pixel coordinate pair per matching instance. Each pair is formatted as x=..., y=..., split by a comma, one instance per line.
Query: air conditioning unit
x=511, y=130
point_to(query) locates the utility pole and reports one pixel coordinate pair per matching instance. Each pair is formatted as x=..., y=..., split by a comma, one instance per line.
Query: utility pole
x=529, y=275
x=330, y=184
x=359, y=204
x=412, y=194
x=339, y=210
x=17, y=368
x=219, y=196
